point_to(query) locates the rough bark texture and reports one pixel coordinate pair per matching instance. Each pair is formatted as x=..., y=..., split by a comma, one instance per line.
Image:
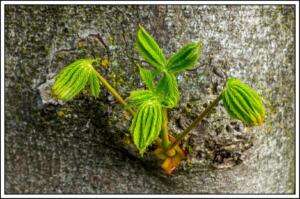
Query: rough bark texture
x=80, y=146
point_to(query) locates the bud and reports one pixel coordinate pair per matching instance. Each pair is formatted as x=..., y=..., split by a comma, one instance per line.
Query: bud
x=243, y=103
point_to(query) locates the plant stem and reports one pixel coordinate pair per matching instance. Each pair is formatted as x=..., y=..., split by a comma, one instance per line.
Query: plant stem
x=113, y=92
x=195, y=122
x=165, y=135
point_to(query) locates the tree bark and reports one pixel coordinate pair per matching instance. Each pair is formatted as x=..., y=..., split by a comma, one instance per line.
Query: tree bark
x=82, y=146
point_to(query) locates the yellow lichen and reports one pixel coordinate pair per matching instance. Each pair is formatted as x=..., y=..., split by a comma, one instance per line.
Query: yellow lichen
x=60, y=113
x=104, y=62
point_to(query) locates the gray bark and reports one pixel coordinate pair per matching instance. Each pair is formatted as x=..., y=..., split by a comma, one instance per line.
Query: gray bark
x=79, y=146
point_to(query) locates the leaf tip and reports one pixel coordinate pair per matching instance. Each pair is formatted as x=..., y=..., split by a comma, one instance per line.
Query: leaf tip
x=140, y=27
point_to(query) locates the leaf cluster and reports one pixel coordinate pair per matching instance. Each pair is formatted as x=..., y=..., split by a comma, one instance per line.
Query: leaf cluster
x=162, y=88
x=164, y=92
x=243, y=103
x=73, y=78
x=146, y=125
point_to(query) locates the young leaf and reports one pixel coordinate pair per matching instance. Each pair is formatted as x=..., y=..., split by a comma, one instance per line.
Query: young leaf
x=185, y=58
x=73, y=78
x=243, y=103
x=167, y=90
x=139, y=97
x=94, y=85
x=149, y=49
x=146, y=125
x=147, y=76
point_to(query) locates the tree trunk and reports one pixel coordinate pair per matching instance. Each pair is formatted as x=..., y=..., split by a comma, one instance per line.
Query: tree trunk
x=82, y=146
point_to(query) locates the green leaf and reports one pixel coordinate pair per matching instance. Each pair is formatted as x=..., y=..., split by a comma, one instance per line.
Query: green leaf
x=139, y=97
x=94, y=84
x=167, y=90
x=155, y=72
x=243, y=103
x=185, y=58
x=149, y=49
x=147, y=76
x=146, y=125
x=73, y=78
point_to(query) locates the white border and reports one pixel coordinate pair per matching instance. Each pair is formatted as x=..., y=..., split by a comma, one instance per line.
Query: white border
x=149, y=2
